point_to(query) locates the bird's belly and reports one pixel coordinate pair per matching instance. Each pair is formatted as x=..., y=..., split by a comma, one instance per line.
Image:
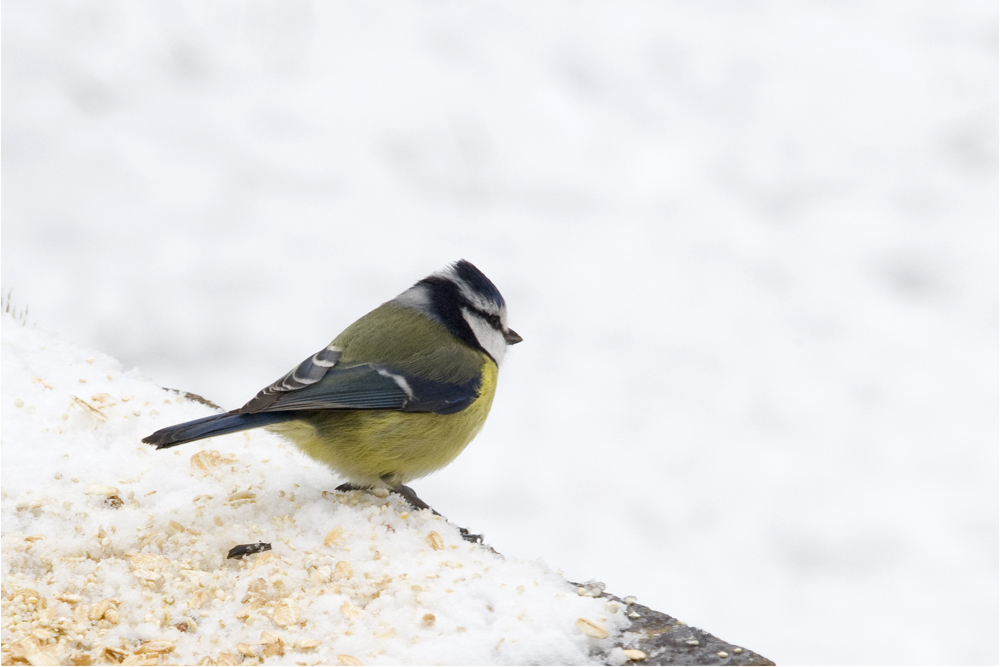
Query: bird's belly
x=371, y=447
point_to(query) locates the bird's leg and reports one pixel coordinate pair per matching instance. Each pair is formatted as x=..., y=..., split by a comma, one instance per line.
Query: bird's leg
x=414, y=501
x=410, y=496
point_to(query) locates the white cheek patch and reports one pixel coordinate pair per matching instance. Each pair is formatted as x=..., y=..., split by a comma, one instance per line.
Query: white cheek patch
x=491, y=339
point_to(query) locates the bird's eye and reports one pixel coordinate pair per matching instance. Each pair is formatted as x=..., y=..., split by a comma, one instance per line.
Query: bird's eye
x=494, y=321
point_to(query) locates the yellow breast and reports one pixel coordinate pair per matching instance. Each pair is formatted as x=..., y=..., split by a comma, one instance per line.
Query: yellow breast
x=372, y=447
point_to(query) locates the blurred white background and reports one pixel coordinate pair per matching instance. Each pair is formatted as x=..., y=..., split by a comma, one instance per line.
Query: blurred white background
x=751, y=247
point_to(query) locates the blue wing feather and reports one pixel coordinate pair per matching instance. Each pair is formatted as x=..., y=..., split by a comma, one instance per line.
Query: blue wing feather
x=323, y=382
x=443, y=398
x=372, y=387
x=206, y=427
x=357, y=387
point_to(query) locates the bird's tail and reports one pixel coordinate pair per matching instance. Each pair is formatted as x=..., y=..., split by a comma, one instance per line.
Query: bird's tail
x=206, y=427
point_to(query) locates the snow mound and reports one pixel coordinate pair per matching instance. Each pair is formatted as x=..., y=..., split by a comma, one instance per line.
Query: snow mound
x=115, y=552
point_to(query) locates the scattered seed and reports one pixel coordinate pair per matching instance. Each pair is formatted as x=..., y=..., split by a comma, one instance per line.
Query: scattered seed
x=241, y=550
x=113, y=654
x=634, y=654
x=286, y=613
x=157, y=646
x=101, y=490
x=149, y=561
x=591, y=628
x=333, y=536
x=87, y=406
x=206, y=460
x=241, y=497
x=98, y=610
x=434, y=541
x=263, y=559
x=275, y=649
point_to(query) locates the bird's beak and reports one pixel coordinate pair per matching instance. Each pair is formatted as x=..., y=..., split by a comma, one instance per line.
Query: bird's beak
x=511, y=337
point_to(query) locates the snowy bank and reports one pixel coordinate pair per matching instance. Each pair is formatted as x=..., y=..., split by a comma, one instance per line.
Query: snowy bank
x=116, y=553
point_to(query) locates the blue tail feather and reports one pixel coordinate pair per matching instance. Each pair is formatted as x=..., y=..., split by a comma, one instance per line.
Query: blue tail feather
x=206, y=427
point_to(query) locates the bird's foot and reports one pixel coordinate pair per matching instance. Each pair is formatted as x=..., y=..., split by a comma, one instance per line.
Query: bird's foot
x=414, y=501
x=408, y=494
x=411, y=497
x=470, y=537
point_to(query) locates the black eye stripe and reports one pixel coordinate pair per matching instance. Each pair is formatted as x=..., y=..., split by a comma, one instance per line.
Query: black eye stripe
x=446, y=303
x=492, y=318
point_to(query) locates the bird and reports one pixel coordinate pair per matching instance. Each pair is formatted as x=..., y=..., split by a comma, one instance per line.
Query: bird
x=397, y=395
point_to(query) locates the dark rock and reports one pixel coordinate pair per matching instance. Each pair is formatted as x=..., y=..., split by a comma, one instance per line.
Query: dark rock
x=667, y=641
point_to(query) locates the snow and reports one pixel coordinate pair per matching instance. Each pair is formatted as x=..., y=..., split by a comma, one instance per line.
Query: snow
x=90, y=514
x=751, y=248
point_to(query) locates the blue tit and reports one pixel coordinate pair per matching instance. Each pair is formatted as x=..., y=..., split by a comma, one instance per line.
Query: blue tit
x=397, y=395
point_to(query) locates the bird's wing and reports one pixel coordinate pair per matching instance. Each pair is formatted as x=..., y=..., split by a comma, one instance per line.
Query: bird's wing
x=322, y=382
x=309, y=372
